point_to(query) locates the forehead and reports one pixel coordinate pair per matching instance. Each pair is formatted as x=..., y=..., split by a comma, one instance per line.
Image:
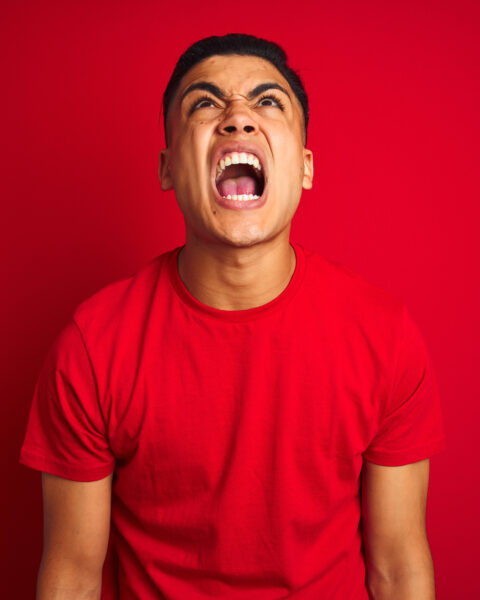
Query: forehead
x=234, y=74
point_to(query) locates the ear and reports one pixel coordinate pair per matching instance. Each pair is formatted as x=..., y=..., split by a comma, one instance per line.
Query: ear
x=166, y=181
x=307, y=169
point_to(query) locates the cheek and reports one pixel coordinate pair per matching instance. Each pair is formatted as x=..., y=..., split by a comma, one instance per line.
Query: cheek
x=196, y=143
x=288, y=140
x=187, y=157
x=291, y=172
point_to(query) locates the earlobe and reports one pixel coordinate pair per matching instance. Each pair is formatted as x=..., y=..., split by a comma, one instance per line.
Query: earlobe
x=307, y=169
x=166, y=181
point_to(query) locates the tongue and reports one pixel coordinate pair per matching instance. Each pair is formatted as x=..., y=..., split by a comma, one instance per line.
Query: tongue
x=237, y=185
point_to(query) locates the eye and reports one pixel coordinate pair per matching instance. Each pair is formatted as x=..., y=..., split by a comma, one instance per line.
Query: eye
x=203, y=102
x=271, y=100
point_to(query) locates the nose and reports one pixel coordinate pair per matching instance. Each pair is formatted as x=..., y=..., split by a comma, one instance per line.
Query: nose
x=237, y=119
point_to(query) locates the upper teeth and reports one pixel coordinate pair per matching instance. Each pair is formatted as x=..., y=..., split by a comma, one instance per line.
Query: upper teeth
x=236, y=158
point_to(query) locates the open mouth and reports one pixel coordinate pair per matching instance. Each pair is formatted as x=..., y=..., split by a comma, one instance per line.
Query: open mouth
x=239, y=177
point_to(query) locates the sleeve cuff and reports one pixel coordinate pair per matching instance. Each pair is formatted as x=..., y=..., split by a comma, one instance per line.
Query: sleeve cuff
x=398, y=458
x=65, y=470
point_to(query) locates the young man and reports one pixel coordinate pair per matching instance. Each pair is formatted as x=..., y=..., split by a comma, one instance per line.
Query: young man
x=242, y=418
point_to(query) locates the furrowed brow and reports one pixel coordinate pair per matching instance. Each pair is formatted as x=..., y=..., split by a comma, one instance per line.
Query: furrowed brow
x=205, y=86
x=263, y=87
x=216, y=91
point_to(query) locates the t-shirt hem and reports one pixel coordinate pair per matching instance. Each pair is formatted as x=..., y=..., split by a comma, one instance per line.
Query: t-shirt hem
x=402, y=457
x=65, y=470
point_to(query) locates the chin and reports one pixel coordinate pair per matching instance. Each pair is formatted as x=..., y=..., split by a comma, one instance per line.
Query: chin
x=244, y=237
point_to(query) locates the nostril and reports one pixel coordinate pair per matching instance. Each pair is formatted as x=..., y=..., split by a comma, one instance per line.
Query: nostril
x=230, y=128
x=248, y=128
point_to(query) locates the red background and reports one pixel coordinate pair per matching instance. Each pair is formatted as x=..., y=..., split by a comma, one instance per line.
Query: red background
x=394, y=93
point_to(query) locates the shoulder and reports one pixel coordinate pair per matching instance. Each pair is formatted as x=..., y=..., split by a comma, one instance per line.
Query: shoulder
x=127, y=298
x=342, y=291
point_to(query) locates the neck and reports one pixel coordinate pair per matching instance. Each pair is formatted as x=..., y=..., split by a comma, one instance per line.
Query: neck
x=230, y=278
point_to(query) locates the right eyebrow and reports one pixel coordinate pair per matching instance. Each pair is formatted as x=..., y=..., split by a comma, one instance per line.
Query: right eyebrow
x=205, y=86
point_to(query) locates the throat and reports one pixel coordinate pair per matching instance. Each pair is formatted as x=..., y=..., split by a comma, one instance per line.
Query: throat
x=236, y=279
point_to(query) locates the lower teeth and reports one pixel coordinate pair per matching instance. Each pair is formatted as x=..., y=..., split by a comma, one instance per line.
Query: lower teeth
x=242, y=197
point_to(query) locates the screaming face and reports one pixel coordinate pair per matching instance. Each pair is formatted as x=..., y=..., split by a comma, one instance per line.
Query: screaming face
x=236, y=158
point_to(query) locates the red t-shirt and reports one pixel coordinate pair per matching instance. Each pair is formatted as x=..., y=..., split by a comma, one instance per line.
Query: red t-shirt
x=236, y=438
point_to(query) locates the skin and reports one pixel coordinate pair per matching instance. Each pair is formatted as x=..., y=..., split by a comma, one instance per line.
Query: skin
x=398, y=558
x=76, y=531
x=235, y=260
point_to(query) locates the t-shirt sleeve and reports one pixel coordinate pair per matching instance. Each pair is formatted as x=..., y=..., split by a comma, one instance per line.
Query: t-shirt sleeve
x=411, y=426
x=66, y=431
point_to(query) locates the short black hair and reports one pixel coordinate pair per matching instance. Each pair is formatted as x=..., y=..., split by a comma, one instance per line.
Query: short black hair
x=240, y=44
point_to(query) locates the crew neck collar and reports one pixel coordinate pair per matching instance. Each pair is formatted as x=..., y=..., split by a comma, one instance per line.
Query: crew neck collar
x=238, y=315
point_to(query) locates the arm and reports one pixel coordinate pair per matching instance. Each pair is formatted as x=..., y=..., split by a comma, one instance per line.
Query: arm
x=399, y=563
x=76, y=532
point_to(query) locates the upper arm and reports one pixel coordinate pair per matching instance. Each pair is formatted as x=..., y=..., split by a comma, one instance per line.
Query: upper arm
x=394, y=503
x=76, y=533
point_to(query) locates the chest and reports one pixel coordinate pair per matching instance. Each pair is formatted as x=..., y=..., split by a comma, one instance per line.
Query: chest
x=277, y=394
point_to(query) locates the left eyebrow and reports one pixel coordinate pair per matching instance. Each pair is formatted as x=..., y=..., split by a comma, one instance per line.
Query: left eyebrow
x=216, y=91
x=263, y=87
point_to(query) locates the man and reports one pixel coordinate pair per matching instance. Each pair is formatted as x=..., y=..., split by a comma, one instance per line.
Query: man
x=242, y=418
